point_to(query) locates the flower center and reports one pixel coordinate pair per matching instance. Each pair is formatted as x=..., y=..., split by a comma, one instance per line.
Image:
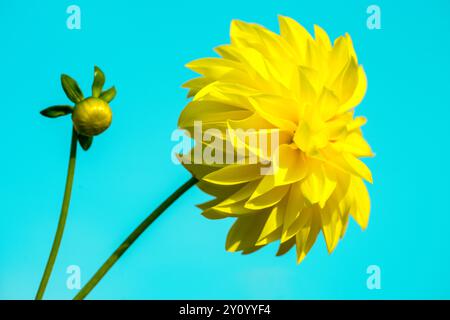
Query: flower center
x=309, y=139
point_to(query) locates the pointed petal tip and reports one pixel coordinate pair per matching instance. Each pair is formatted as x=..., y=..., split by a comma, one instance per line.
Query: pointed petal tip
x=282, y=18
x=364, y=226
x=331, y=247
x=285, y=236
x=300, y=258
x=232, y=248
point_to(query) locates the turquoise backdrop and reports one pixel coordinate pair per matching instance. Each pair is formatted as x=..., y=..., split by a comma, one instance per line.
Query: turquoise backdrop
x=143, y=46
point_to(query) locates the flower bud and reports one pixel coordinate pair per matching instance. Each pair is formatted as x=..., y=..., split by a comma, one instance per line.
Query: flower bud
x=91, y=116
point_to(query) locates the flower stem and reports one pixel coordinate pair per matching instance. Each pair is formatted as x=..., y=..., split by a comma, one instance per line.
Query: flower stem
x=62, y=218
x=132, y=238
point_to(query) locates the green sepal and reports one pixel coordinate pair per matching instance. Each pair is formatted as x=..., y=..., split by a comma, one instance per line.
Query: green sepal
x=71, y=88
x=57, y=111
x=99, y=81
x=85, y=142
x=108, y=95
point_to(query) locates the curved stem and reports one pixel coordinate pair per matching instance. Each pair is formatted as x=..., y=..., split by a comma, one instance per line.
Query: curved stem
x=132, y=238
x=62, y=218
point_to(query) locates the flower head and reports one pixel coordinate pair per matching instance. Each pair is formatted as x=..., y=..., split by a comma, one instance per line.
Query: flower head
x=305, y=89
x=90, y=116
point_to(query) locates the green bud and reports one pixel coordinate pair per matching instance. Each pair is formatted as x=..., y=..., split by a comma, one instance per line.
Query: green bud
x=91, y=116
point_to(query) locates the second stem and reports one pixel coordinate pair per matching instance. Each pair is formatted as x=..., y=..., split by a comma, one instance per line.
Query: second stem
x=132, y=238
x=62, y=218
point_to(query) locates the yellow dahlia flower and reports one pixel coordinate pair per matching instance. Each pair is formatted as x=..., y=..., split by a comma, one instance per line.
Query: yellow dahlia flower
x=305, y=88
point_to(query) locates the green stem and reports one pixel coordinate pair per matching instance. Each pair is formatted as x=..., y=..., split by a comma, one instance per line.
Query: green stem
x=132, y=238
x=62, y=218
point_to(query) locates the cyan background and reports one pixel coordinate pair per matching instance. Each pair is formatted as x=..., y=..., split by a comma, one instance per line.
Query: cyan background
x=142, y=46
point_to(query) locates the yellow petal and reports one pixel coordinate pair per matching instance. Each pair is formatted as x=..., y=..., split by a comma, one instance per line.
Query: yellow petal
x=290, y=165
x=300, y=221
x=213, y=68
x=213, y=214
x=234, y=174
x=356, y=123
x=306, y=238
x=285, y=246
x=359, y=167
x=234, y=205
x=344, y=219
x=336, y=128
x=227, y=51
x=360, y=210
x=318, y=185
x=307, y=91
x=233, y=94
x=322, y=37
x=257, y=37
x=338, y=58
x=198, y=170
x=294, y=207
x=355, y=144
x=267, y=199
x=196, y=84
x=328, y=104
x=274, y=236
x=219, y=191
x=273, y=223
x=264, y=186
x=242, y=194
x=295, y=34
x=279, y=111
x=359, y=92
x=347, y=163
x=208, y=204
x=351, y=48
x=315, y=57
x=245, y=232
x=210, y=112
x=311, y=134
x=235, y=210
x=331, y=226
x=256, y=64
